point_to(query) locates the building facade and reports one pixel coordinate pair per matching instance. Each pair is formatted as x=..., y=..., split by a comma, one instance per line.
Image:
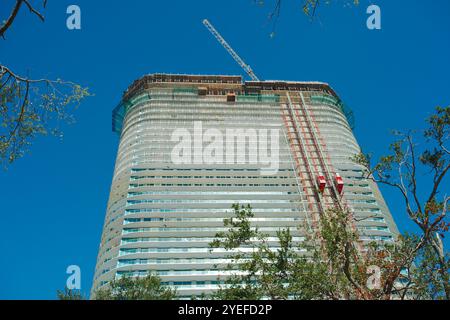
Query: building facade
x=191, y=146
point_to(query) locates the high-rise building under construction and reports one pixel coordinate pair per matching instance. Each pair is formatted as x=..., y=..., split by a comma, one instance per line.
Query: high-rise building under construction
x=168, y=200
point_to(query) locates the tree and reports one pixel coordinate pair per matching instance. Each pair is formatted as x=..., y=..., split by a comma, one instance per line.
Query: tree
x=430, y=281
x=140, y=288
x=426, y=206
x=266, y=273
x=31, y=107
x=333, y=267
x=70, y=294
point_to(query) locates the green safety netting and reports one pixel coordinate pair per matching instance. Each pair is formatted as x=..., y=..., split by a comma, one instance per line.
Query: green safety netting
x=121, y=110
x=117, y=117
x=336, y=102
x=270, y=98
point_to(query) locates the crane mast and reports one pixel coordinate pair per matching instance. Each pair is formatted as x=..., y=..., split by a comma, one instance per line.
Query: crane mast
x=230, y=50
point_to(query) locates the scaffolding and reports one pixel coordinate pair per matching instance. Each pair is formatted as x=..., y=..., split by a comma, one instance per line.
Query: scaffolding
x=322, y=184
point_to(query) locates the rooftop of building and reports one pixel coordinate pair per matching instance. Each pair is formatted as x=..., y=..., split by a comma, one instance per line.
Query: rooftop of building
x=227, y=81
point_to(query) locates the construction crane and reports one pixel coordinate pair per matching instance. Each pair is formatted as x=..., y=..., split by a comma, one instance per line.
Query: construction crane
x=230, y=50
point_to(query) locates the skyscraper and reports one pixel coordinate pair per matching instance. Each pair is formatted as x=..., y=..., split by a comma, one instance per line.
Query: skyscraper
x=193, y=145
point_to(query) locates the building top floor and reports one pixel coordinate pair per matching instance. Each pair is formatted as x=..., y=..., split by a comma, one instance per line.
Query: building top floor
x=229, y=83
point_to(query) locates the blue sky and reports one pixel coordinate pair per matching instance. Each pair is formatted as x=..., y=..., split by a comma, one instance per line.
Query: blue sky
x=53, y=201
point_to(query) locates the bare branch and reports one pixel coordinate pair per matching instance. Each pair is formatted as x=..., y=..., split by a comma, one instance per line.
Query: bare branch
x=15, y=11
x=11, y=18
x=32, y=10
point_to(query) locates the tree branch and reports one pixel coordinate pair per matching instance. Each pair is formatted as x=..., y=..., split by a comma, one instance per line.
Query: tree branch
x=15, y=11
x=11, y=18
x=22, y=112
x=437, y=182
x=32, y=10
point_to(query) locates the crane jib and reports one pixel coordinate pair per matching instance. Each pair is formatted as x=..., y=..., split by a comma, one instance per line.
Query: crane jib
x=230, y=50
